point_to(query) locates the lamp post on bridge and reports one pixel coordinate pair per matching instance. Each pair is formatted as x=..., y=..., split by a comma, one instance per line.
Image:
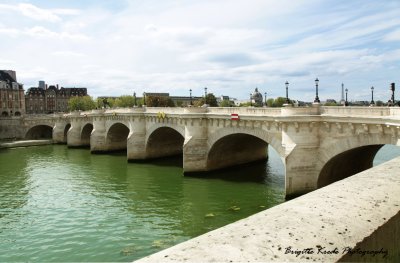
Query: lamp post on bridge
x=265, y=99
x=372, y=96
x=346, y=103
x=190, y=91
x=287, y=92
x=205, y=95
x=316, y=100
x=392, y=88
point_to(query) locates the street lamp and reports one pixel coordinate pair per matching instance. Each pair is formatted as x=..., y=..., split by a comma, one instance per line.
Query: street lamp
x=346, y=103
x=392, y=88
x=144, y=98
x=265, y=98
x=372, y=96
x=250, y=100
x=134, y=99
x=316, y=91
x=287, y=94
x=190, y=97
x=205, y=95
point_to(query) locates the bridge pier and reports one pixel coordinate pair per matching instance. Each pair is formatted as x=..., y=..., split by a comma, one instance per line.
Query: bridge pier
x=302, y=144
x=136, y=148
x=301, y=171
x=58, y=132
x=195, y=146
x=74, y=134
x=98, y=136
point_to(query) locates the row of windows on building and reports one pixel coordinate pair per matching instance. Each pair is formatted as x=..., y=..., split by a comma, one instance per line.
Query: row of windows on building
x=37, y=100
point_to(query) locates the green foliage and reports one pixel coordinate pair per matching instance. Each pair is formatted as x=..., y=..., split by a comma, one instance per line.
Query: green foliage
x=100, y=103
x=270, y=102
x=159, y=101
x=245, y=104
x=124, y=101
x=331, y=104
x=226, y=103
x=83, y=103
x=379, y=103
x=211, y=101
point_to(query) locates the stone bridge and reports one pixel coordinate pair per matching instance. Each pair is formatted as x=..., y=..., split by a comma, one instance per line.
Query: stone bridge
x=317, y=145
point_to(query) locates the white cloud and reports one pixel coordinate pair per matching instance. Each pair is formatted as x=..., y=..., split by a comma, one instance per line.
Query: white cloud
x=228, y=46
x=393, y=36
x=36, y=13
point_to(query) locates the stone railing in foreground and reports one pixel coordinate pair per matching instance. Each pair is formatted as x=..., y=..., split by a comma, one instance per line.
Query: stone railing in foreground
x=356, y=219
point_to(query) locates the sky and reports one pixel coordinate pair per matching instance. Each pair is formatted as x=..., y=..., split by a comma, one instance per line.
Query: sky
x=117, y=47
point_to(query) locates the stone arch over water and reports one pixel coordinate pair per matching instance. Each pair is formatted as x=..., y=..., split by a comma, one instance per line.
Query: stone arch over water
x=39, y=132
x=347, y=164
x=66, y=129
x=228, y=147
x=164, y=141
x=85, y=134
x=117, y=136
x=348, y=156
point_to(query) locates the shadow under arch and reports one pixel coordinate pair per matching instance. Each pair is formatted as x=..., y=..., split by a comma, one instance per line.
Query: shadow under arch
x=347, y=163
x=39, y=132
x=164, y=141
x=117, y=136
x=236, y=149
x=66, y=129
x=85, y=134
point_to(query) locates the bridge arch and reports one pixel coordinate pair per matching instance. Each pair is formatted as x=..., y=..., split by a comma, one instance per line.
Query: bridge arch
x=117, y=135
x=66, y=129
x=85, y=133
x=164, y=141
x=39, y=132
x=340, y=159
x=229, y=147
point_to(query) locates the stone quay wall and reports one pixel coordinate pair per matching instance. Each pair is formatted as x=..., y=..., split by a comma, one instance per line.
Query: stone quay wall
x=355, y=219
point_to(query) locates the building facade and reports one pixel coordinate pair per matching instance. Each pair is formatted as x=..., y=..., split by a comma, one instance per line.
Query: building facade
x=50, y=99
x=12, y=99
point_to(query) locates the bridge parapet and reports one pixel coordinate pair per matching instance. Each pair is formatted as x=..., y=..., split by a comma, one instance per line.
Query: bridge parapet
x=358, y=111
x=247, y=111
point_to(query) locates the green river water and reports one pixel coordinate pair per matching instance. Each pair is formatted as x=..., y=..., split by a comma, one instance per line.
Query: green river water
x=60, y=204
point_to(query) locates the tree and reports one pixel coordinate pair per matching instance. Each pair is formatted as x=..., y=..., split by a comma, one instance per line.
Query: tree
x=226, y=103
x=331, y=104
x=278, y=102
x=124, y=101
x=100, y=103
x=83, y=103
x=211, y=101
x=270, y=102
x=159, y=101
x=245, y=104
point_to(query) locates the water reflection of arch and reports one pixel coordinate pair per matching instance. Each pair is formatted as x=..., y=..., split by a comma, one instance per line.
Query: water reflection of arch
x=233, y=146
x=41, y=131
x=342, y=158
x=164, y=140
x=117, y=136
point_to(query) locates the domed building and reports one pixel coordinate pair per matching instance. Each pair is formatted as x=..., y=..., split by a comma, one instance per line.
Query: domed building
x=257, y=98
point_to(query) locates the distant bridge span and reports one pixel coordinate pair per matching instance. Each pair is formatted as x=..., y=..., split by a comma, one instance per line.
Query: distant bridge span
x=318, y=145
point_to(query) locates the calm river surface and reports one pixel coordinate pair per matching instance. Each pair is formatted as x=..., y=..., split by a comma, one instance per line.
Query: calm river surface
x=60, y=204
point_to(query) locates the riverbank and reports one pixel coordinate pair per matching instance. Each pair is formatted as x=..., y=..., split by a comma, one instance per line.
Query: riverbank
x=25, y=143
